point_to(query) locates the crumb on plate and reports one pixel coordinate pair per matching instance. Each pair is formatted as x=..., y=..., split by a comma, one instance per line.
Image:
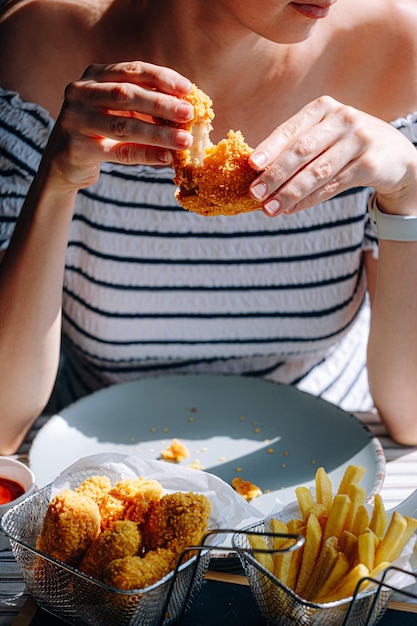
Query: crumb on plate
x=245, y=488
x=175, y=452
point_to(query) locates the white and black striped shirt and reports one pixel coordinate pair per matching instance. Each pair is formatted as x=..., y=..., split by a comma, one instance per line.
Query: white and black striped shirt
x=150, y=288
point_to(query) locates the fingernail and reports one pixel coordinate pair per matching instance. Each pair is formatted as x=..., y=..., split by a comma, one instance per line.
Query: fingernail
x=258, y=191
x=184, y=110
x=165, y=157
x=183, y=138
x=183, y=85
x=272, y=207
x=258, y=159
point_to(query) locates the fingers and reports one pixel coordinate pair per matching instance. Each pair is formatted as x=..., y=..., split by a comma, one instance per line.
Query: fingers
x=139, y=73
x=311, y=157
x=102, y=111
x=129, y=97
x=109, y=115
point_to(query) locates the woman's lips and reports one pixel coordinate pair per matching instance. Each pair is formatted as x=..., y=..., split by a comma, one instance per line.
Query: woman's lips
x=313, y=11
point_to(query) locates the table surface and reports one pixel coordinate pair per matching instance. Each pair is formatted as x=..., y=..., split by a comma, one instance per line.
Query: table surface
x=226, y=602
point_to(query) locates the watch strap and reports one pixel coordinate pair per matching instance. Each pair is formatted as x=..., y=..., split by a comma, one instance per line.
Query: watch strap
x=391, y=227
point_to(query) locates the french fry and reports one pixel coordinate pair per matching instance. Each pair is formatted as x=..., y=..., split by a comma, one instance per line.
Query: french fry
x=278, y=527
x=346, y=587
x=290, y=561
x=367, y=545
x=305, y=501
x=337, y=516
x=339, y=569
x=278, y=543
x=353, y=474
x=283, y=564
x=357, y=495
x=361, y=521
x=319, y=510
x=378, y=521
x=407, y=534
x=349, y=545
x=390, y=542
x=344, y=542
x=324, y=489
x=310, y=553
x=325, y=561
x=258, y=542
x=378, y=569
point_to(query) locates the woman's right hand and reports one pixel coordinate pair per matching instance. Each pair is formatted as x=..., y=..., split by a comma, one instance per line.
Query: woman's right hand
x=109, y=115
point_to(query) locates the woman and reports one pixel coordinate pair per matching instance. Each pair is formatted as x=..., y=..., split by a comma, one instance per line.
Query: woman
x=325, y=92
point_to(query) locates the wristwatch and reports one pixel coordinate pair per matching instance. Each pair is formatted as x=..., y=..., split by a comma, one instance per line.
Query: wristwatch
x=391, y=227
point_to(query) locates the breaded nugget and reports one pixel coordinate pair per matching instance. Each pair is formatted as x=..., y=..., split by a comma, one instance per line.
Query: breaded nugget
x=122, y=539
x=71, y=523
x=213, y=179
x=95, y=487
x=135, y=572
x=129, y=499
x=176, y=521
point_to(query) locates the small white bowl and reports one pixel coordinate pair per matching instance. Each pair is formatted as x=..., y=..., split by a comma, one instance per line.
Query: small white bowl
x=21, y=473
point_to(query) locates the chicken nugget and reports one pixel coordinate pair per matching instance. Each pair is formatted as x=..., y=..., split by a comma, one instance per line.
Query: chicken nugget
x=129, y=499
x=120, y=540
x=95, y=487
x=135, y=572
x=176, y=521
x=213, y=179
x=71, y=523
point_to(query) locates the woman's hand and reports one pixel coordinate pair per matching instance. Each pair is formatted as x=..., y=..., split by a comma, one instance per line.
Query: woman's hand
x=109, y=115
x=327, y=148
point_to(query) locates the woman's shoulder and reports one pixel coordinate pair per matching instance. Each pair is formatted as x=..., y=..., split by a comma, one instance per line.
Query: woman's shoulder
x=375, y=47
x=43, y=45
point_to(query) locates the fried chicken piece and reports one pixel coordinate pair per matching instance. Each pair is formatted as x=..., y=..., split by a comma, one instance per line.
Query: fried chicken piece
x=71, y=523
x=246, y=489
x=95, y=487
x=129, y=499
x=176, y=452
x=135, y=572
x=213, y=179
x=176, y=521
x=122, y=539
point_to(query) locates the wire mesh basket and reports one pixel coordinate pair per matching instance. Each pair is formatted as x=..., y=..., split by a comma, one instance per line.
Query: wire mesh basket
x=81, y=600
x=280, y=605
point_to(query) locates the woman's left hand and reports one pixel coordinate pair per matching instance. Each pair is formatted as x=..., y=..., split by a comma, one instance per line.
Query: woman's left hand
x=327, y=148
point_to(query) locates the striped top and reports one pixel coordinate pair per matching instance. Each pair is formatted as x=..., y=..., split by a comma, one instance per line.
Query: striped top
x=150, y=288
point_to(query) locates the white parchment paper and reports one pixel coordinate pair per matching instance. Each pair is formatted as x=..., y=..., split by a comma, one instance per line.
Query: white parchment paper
x=228, y=509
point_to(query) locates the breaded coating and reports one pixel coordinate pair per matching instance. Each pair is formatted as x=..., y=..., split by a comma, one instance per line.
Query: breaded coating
x=213, y=179
x=175, y=452
x=129, y=499
x=135, y=572
x=103, y=533
x=122, y=539
x=71, y=523
x=176, y=521
x=95, y=487
x=245, y=488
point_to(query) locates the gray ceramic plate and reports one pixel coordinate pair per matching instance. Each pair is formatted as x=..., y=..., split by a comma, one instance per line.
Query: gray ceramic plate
x=273, y=435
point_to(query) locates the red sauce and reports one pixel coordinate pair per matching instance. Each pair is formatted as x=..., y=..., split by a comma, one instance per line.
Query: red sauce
x=9, y=490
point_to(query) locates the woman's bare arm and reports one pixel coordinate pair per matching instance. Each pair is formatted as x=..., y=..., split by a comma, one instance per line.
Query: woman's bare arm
x=96, y=124
x=392, y=347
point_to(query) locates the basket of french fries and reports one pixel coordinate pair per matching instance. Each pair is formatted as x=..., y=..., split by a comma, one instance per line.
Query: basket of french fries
x=110, y=541
x=320, y=560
